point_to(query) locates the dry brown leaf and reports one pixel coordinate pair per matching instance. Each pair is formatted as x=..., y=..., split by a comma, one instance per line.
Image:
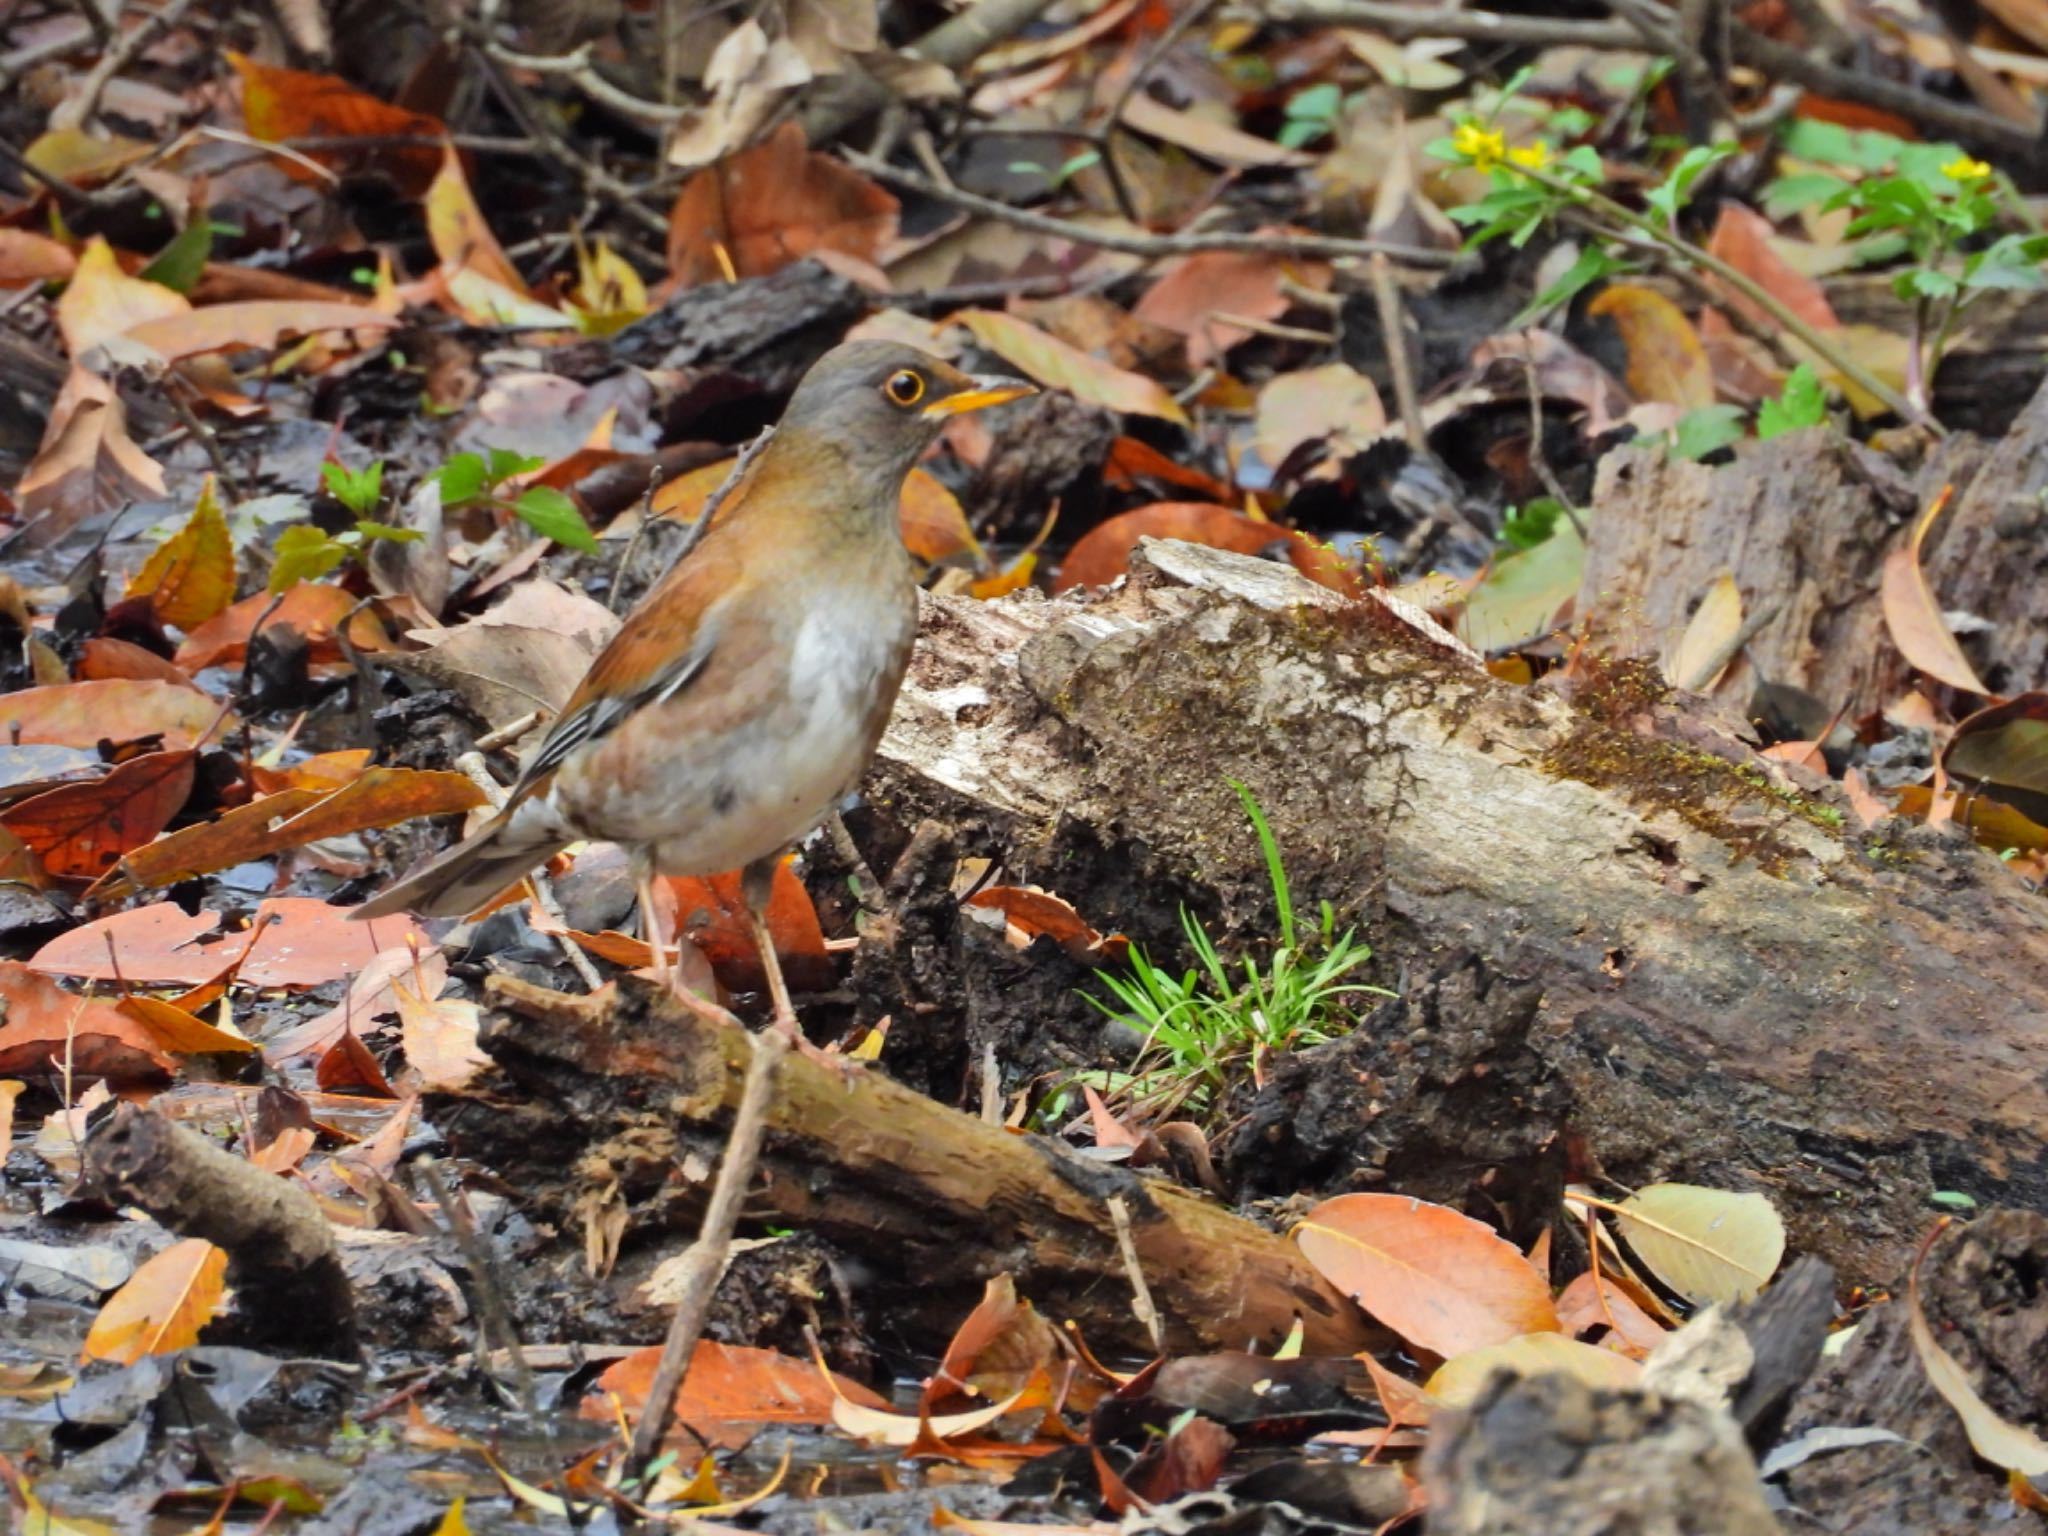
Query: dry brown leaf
x=312, y=610
x=258, y=324
x=87, y=464
x=711, y=914
x=104, y=656
x=1666, y=361
x=1198, y=288
x=1705, y=649
x=1444, y=1282
x=27, y=257
x=440, y=1038
x=772, y=205
x=1334, y=402
x=80, y=831
x=1913, y=615
x=40, y=1021
x=1997, y=1439
x=1052, y=362
x=1104, y=552
x=1744, y=239
x=279, y=104
x=163, y=1306
x=101, y=301
x=1220, y=142
x=1599, y=1301
x=748, y=78
x=85, y=714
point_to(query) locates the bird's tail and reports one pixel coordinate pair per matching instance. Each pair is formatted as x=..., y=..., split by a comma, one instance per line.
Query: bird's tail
x=455, y=883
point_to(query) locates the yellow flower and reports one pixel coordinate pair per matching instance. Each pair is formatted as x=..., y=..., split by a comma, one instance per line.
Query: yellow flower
x=1966, y=170
x=1483, y=147
x=1531, y=157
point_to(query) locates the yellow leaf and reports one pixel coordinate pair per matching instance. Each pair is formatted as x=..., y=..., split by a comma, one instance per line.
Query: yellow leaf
x=163, y=1306
x=1051, y=361
x=101, y=301
x=191, y=577
x=1706, y=1244
x=1457, y=1381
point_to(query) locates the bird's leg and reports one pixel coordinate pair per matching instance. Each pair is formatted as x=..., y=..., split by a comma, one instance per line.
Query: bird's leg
x=757, y=885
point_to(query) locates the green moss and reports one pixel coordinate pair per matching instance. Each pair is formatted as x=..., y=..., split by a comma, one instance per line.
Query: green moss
x=1705, y=791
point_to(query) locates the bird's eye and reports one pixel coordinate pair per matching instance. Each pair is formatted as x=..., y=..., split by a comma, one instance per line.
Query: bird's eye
x=905, y=386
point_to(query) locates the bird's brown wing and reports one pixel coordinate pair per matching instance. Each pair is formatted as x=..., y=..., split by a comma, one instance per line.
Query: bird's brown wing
x=664, y=645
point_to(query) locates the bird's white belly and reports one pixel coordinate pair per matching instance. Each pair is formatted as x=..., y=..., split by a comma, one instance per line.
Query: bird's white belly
x=704, y=802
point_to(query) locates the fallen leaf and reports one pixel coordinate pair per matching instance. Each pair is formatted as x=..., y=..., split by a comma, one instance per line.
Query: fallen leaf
x=27, y=257
x=280, y=104
x=2004, y=744
x=1031, y=913
x=1744, y=239
x=381, y=797
x=480, y=279
x=163, y=1306
x=728, y=1394
x=1992, y=1436
x=1524, y=595
x=302, y=943
x=80, y=831
x=101, y=301
x=771, y=205
x=87, y=465
x=84, y=159
x=1913, y=615
x=1103, y=554
x=1404, y=1402
x=1204, y=136
x=996, y=1351
x=1708, y=1245
x=1444, y=1282
x=1052, y=362
x=85, y=714
x=103, y=657
x=1600, y=1301
x=440, y=1038
x=180, y=1030
x=1705, y=649
x=251, y=324
x=315, y=612
x=711, y=913
x=191, y=575
x=1666, y=360
x=1197, y=289
x=1457, y=1383
x=1131, y=460
x=1334, y=402
x=38, y=1018
x=747, y=78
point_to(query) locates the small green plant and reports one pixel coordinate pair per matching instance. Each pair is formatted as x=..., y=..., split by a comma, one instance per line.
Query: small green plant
x=1057, y=176
x=1532, y=523
x=1203, y=1025
x=1311, y=114
x=1534, y=187
x=474, y=480
x=306, y=552
x=1801, y=403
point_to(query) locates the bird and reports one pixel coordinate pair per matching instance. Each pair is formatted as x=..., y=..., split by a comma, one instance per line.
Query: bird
x=744, y=696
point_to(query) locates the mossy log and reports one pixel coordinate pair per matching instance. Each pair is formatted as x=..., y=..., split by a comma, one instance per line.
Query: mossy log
x=1736, y=987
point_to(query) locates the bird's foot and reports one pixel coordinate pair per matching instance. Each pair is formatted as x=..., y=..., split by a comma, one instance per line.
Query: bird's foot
x=703, y=1007
x=849, y=1071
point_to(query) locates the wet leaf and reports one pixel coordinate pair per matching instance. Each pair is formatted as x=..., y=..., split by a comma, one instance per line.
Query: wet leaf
x=1913, y=615
x=1458, y=1381
x=163, y=1307
x=729, y=1393
x=711, y=913
x=1197, y=291
x=182, y=1031
x=84, y=714
x=103, y=657
x=191, y=576
x=1052, y=362
x=79, y=831
x=38, y=1018
x=1444, y=1282
x=997, y=1350
x=2004, y=744
x=771, y=205
x=381, y=797
x=1708, y=1245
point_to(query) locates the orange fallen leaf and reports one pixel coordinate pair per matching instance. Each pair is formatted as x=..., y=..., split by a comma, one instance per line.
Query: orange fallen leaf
x=121, y=709
x=301, y=942
x=711, y=913
x=38, y=1018
x=314, y=611
x=251, y=323
x=282, y=104
x=440, y=1038
x=1131, y=459
x=87, y=464
x=771, y=205
x=381, y=797
x=729, y=1392
x=1742, y=238
x=1444, y=1282
x=1666, y=361
x=81, y=830
x=27, y=257
x=1104, y=552
x=103, y=656
x=101, y=301
x=1913, y=615
x=163, y=1306
x=1599, y=1301
x=1198, y=289
x=179, y=1030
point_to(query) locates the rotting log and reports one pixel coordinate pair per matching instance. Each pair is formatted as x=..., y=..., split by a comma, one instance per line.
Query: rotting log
x=1735, y=990
x=619, y=1093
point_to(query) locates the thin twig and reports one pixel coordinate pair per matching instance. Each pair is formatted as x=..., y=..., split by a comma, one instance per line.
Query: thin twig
x=1141, y=1294
x=703, y=1266
x=1386, y=297
x=483, y=1269
x=1142, y=244
x=78, y=107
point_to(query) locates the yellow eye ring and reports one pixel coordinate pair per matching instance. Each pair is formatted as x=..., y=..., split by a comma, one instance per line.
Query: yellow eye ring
x=905, y=386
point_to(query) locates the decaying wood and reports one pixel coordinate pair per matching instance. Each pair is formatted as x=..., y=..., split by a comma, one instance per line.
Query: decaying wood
x=628, y=1088
x=290, y=1289
x=1805, y=521
x=1734, y=990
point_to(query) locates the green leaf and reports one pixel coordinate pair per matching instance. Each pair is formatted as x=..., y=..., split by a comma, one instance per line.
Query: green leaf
x=1318, y=104
x=461, y=479
x=1789, y=194
x=388, y=531
x=1593, y=265
x=1802, y=403
x=1668, y=198
x=547, y=511
x=1527, y=526
x=179, y=264
x=359, y=490
x=505, y=463
x=1297, y=131
x=304, y=553
x=1707, y=430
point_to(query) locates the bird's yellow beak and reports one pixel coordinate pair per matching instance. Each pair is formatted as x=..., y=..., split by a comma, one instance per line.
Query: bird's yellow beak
x=986, y=392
